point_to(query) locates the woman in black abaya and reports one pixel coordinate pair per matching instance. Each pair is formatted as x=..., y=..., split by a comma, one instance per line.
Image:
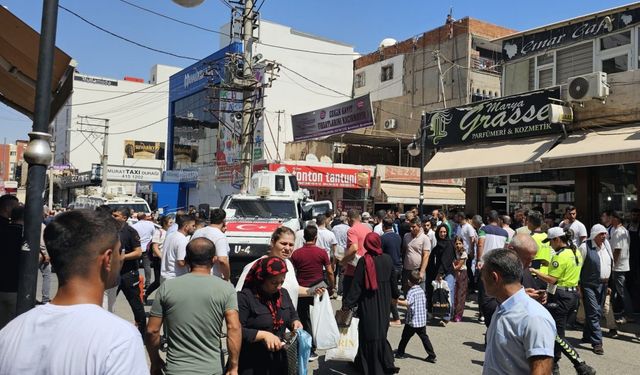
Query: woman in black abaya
x=372, y=291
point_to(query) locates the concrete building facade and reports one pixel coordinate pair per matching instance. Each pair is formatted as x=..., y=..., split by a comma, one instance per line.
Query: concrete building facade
x=132, y=111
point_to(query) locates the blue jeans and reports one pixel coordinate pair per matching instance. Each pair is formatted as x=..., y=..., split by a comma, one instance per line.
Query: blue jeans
x=593, y=299
x=451, y=282
x=45, y=269
x=620, y=291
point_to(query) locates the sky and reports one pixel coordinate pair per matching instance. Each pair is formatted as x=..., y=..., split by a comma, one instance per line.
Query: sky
x=360, y=23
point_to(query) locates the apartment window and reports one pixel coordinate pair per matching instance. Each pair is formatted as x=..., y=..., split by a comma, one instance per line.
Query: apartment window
x=614, y=52
x=12, y=153
x=360, y=80
x=386, y=73
x=545, y=70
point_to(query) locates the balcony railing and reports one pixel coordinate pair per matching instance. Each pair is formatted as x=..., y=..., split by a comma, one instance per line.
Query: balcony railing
x=486, y=65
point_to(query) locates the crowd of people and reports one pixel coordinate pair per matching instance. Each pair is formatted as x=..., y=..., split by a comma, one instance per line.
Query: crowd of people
x=529, y=275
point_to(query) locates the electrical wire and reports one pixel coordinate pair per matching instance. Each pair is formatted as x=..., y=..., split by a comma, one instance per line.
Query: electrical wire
x=175, y=19
x=314, y=82
x=308, y=51
x=114, y=97
x=221, y=33
x=127, y=39
x=140, y=128
x=306, y=88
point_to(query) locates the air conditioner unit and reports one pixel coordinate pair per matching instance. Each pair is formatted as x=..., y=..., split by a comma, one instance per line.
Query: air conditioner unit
x=587, y=87
x=390, y=124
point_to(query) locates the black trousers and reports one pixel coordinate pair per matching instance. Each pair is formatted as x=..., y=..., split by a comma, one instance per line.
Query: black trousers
x=561, y=305
x=155, y=263
x=129, y=285
x=486, y=304
x=394, y=308
x=304, y=304
x=346, y=285
x=407, y=334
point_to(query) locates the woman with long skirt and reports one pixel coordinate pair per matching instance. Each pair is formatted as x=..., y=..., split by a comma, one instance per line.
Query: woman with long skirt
x=372, y=290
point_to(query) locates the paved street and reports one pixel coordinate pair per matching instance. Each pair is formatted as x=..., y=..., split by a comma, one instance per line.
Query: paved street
x=460, y=348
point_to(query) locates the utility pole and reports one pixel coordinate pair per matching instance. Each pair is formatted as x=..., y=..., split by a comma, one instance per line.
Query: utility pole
x=105, y=155
x=246, y=136
x=88, y=125
x=278, y=135
x=436, y=54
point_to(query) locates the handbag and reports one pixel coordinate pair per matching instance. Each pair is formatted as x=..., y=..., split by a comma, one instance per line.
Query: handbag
x=441, y=306
x=344, y=317
x=347, y=349
x=291, y=346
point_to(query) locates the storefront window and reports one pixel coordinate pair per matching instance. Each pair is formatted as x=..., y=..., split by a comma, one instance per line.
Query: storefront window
x=496, y=194
x=195, y=130
x=618, y=189
x=549, y=191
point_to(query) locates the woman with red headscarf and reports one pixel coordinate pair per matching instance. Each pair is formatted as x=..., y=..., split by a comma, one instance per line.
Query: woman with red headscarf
x=374, y=287
x=266, y=311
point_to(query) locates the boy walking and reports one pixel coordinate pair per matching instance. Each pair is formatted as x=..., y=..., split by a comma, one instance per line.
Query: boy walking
x=416, y=319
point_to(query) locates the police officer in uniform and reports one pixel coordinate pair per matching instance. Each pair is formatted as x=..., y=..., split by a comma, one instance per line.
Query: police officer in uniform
x=562, y=281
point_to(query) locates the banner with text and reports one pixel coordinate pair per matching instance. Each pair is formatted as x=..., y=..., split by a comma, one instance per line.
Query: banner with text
x=316, y=176
x=143, y=150
x=508, y=117
x=575, y=32
x=391, y=173
x=339, y=118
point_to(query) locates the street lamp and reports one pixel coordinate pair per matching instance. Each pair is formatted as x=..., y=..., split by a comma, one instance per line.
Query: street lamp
x=415, y=149
x=188, y=3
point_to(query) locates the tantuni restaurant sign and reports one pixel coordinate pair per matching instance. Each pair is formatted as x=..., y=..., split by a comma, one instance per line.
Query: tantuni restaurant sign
x=319, y=176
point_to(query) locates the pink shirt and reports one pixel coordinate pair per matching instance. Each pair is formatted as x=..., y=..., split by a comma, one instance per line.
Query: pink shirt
x=356, y=234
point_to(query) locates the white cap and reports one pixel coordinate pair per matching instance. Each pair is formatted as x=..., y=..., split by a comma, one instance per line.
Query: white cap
x=552, y=233
x=366, y=215
x=596, y=230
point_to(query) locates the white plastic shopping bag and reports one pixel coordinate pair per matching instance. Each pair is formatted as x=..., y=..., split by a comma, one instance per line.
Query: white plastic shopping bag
x=347, y=346
x=323, y=323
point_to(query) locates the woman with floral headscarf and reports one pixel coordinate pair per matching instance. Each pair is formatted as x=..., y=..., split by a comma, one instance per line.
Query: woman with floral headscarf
x=266, y=311
x=373, y=288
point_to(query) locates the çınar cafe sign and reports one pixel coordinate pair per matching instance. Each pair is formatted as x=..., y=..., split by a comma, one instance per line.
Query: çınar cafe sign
x=509, y=117
x=526, y=45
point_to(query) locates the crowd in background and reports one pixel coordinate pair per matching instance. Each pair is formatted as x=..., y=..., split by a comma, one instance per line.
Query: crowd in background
x=430, y=265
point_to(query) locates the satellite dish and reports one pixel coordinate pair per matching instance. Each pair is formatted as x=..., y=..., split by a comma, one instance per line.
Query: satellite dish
x=325, y=159
x=311, y=157
x=387, y=42
x=188, y=3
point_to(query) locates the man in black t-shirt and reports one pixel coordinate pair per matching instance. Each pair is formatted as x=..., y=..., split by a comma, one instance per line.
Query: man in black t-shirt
x=11, y=236
x=392, y=245
x=129, y=275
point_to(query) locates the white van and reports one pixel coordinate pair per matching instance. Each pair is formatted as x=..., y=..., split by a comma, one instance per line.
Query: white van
x=92, y=201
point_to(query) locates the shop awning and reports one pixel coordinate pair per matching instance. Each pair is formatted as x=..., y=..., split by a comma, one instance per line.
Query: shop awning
x=19, y=45
x=591, y=148
x=433, y=195
x=490, y=159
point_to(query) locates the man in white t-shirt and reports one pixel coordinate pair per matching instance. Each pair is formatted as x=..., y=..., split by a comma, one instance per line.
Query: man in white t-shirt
x=73, y=334
x=214, y=233
x=380, y=215
x=466, y=232
x=620, y=242
x=326, y=239
x=571, y=222
x=145, y=229
x=175, y=248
